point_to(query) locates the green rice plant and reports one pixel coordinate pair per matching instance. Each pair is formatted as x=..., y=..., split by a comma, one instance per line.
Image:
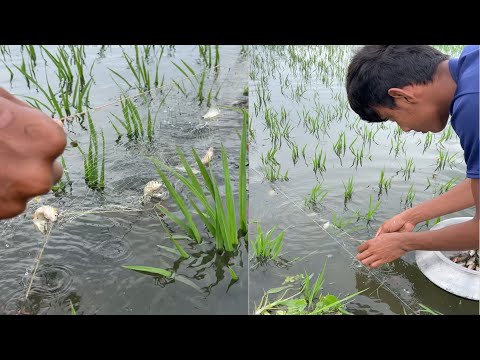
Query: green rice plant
x=371, y=210
x=232, y=274
x=94, y=177
x=348, y=189
x=397, y=146
x=61, y=61
x=132, y=122
x=5, y=50
x=190, y=74
x=357, y=153
x=303, y=153
x=409, y=197
x=78, y=59
x=173, y=238
x=72, y=308
x=269, y=158
x=294, y=153
x=427, y=310
x=55, y=106
x=339, y=223
x=272, y=173
x=409, y=167
x=446, y=134
x=218, y=217
x=316, y=195
x=9, y=71
x=384, y=183
x=340, y=146
x=150, y=270
x=305, y=300
x=242, y=182
x=319, y=161
x=265, y=247
x=448, y=185
x=444, y=158
x=217, y=57
x=428, y=141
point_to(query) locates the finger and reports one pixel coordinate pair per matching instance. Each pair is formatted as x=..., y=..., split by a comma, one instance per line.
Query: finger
x=379, y=231
x=363, y=247
x=59, y=123
x=376, y=263
x=57, y=171
x=369, y=260
x=364, y=255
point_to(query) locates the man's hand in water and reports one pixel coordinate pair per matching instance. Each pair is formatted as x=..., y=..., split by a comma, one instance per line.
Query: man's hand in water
x=382, y=249
x=30, y=143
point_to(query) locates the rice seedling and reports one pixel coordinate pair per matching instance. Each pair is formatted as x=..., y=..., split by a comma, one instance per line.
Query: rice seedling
x=383, y=183
x=270, y=156
x=340, y=146
x=272, y=173
x=340, y=223
x=427, y=310
x=265, y=247
x=189, y=73
x=447, y=186
x=5, y=50
x=371, y=210
x=219, y=219
x=347, y=194
x=294, y=154
x=397, y=146
x=316, y=195
x=64, y=70
x=94, y=177
x=173, y=238
x=409, y=167
x=150, y=270
x=72, y=308
x=446, y=134
x=429, y=183
x=428, y=141
x=409, y=197
x=358, y=155
x=232, y=274
x=318, y=161
x=303, y=153
x=9, y=71
x=444, y=158
x=306, y=299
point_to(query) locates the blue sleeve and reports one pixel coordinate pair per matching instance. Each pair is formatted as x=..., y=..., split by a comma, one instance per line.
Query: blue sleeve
x=466, y=110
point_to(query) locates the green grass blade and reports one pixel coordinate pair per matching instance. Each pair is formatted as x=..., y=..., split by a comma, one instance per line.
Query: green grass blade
x=230, y=204
x=149, y=269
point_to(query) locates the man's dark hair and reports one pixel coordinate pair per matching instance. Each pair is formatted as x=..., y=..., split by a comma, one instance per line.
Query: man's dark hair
x=376, y=68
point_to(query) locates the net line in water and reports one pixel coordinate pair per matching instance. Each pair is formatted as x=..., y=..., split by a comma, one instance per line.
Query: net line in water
x=99, y=107
x=291, y=200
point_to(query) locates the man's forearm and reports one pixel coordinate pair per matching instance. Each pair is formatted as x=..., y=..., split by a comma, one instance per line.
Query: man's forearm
x=462, y=236
x=458, y=198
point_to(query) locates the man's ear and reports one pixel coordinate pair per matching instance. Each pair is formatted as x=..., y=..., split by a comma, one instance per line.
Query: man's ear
x=401, y=95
